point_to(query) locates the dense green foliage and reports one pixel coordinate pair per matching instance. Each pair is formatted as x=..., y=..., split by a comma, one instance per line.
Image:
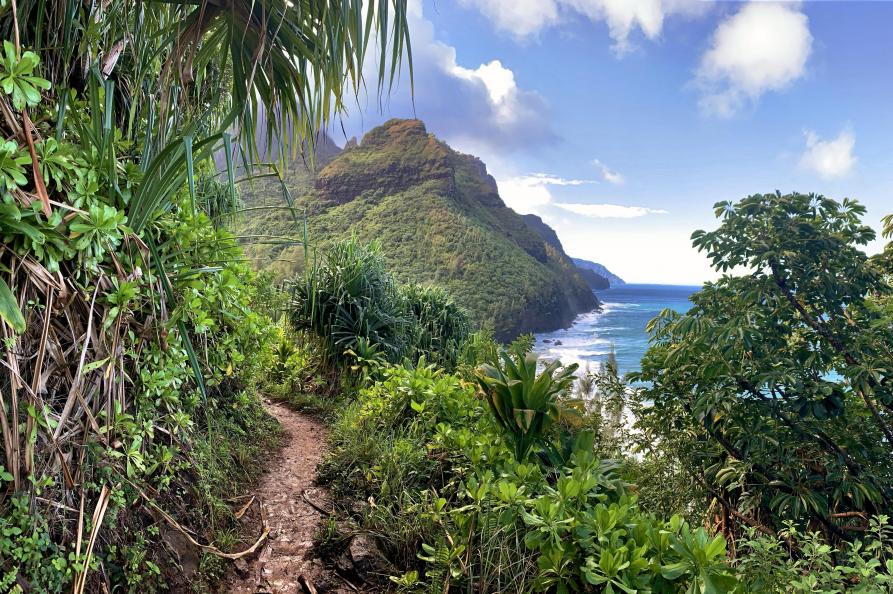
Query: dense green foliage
x=135, y=342
x=446, y=487
x=799, y=562
x=133, y=336
x=439, y=220
x=438, y=466
x=774, y=390
x=350, y=300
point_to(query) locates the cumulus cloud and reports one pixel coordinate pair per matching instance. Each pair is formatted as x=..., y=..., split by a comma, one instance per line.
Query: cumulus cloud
x=529, y=193
x=610, y=176
x=763, y=47
x=478, y=106
x=829, y=158
x=521, y=18
x=609, y=211
x=525, y=18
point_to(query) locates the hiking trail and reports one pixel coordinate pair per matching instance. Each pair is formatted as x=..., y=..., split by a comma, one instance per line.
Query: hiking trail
x=291, y=505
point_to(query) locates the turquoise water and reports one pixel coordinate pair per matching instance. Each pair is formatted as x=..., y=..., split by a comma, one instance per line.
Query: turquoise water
x=626, y=310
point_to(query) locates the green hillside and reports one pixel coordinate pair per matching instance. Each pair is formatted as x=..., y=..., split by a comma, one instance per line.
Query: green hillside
x=439, y=219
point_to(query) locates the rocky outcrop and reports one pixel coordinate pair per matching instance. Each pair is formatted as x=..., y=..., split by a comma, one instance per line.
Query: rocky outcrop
x=595, y=281
x=404, y=153
x=600, y=270
x=546, y=232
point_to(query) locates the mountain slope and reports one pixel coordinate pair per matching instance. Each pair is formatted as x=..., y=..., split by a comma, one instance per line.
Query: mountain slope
x=595, y=281
x=599, y=270
x=439, y=219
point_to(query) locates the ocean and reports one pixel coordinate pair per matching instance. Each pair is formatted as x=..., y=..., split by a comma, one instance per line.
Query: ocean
x=626, y=310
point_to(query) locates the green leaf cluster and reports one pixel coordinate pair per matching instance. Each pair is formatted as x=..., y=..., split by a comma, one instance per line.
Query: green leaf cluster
x=17, y=77
x=454, y=506
x=525, y=402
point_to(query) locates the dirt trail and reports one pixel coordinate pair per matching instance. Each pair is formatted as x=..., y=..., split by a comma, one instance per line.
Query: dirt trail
x=292, y=520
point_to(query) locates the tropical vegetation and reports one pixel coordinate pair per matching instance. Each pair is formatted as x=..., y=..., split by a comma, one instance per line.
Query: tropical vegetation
x=751, y=464
x=751, y=453
x=437, y=217
x=133, y=333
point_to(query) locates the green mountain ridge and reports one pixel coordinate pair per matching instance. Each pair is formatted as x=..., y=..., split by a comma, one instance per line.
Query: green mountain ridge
x=439, y=219
x=595, y=280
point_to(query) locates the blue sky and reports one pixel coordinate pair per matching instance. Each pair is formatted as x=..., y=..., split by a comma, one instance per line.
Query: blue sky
x=621, y=122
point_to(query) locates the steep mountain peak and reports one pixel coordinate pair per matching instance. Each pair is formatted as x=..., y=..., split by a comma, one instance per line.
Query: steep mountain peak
x=397, y=132
x=391, y=158
x=440, y=220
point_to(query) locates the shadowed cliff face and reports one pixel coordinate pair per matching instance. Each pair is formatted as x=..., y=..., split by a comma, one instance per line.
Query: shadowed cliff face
x=440, y=220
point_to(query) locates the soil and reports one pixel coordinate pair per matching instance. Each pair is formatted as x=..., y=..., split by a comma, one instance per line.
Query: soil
x=292, y=507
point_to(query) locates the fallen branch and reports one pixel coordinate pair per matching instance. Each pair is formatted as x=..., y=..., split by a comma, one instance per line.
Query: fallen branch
x=244, y=508
x=206, y=547
x=850, y=514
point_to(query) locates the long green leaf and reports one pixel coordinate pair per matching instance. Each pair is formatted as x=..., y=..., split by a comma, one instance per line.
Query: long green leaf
x=9, y=308
x=184, y=335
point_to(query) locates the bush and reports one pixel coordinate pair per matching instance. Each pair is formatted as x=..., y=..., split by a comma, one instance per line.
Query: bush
x=348, y=295
x=349, y=300
x=440, y=327
x=440, y=485
x=799, y=562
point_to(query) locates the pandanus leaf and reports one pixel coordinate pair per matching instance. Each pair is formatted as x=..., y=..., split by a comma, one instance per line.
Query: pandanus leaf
x=524, y=418
x=9, y=308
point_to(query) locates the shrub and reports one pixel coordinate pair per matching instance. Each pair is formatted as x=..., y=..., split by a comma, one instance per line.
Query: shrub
x=454, y=508
x=797, y=562
x=440, y=326
x=350, y=300
x=525, y=403
x=348, y=295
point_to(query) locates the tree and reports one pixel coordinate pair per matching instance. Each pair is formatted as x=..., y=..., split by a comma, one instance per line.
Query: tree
x=775, y=387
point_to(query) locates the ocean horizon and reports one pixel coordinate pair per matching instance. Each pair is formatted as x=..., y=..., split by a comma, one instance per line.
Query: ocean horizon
x=618, y=326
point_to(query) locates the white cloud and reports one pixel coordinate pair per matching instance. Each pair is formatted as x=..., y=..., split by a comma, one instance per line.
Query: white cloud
x=470, y=106
x=554, y=180
x=609, y=211
x=525, y=18
x=763, y=47
x=529, y=193
x=505, y=97
x=610, y=176
x=829, y=158
x=521, y=18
